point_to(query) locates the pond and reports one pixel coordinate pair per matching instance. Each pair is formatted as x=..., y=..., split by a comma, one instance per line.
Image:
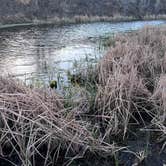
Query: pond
x=41, y=52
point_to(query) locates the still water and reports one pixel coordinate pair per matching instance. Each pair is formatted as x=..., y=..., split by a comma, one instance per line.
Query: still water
x=41, y=52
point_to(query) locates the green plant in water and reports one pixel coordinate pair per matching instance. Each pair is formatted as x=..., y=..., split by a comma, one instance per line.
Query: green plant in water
x=53, y=84
x=109, y=41
x=116, y=159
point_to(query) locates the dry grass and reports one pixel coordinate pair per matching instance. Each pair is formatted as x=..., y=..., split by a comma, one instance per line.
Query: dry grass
x=85, y=19
x=33, y=119
x=22, y=20
x=130, y=90
x=132, y=82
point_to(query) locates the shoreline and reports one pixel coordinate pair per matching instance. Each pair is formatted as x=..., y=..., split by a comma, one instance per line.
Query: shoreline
x=78, y=20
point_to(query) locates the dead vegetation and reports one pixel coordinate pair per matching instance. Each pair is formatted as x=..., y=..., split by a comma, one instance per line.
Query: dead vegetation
x=132, y=82
x=33, y=119
x=128, y=96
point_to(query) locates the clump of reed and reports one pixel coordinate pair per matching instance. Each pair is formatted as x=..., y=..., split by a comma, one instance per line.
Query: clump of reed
x=131, y=87
x=37, y=128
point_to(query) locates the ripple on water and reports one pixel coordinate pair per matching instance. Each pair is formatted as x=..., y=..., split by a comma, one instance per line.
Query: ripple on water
x=42, y=50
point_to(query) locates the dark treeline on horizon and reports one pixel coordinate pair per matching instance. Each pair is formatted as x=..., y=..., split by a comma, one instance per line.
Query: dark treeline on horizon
x=42, y=9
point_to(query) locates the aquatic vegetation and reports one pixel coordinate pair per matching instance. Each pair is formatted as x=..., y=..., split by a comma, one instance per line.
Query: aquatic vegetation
x=53, y=84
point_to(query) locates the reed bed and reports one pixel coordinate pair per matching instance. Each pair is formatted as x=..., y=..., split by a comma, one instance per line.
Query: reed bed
x=85, y=19
x=38, y=130
x=132, y=82
x=19, y=20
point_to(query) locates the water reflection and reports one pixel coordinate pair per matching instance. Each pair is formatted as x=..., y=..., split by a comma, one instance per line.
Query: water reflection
x=43, y=50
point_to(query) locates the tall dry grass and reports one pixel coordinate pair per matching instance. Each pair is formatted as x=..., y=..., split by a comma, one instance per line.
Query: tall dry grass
x=37, y=129
x=132, y=82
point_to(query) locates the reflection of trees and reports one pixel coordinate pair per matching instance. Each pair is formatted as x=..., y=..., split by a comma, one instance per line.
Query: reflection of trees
x=41, y=61
x=45, y=46
x=31, y=47
x=19, y=46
